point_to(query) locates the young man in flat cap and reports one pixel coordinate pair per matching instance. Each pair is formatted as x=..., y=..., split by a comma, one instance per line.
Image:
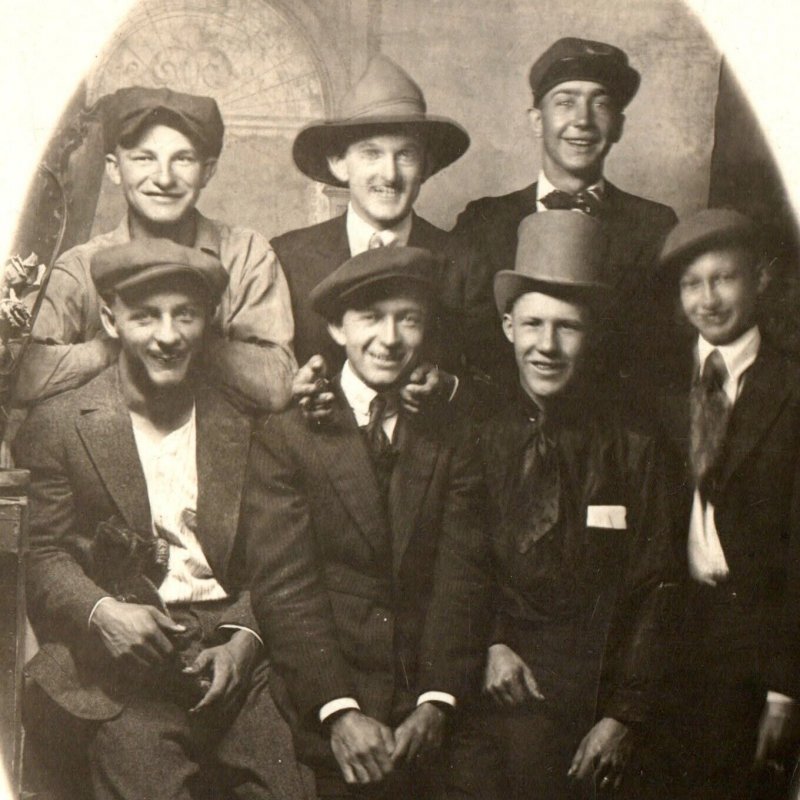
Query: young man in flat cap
x=371, y=517
x=161, y=150
x=580, y=540
x=382, y=147
x=580, y=90
x=734, y=418
x=135, y=576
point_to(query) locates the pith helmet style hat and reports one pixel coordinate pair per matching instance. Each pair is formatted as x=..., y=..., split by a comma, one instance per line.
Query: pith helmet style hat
x=401, y=267
x=572, y=59
x=556, y=251
x=383, y=97
x=704, y=231
x=129, y=110
x=141, y=261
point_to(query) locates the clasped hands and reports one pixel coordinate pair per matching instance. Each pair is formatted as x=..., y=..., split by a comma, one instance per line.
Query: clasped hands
x=139, y=635
x=603, y=752
x=367, y=750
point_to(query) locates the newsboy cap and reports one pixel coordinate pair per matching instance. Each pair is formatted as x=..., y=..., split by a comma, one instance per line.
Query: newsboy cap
x=706, y=230
x=406, y=268
x=384, y=97
x=141, y=261
x=557, y=251
x=129, y=110
x=573, y=59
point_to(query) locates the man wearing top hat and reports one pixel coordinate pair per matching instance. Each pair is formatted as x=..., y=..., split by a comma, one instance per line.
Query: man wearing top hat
x=136, y=578
x=580, y=91
x=383, y=146
x=733, y=417
x=161, y=149
x=580, y=539
x=371, y=518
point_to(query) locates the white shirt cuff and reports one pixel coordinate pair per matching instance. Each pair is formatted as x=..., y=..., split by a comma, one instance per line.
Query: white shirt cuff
x=777, y=697
x=231, y=626
x=436, y=697
x=94, y=608
x=340, y=704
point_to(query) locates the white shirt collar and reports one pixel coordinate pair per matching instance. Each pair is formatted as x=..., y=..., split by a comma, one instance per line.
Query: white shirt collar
x=359, y=396
x=359, y=232
x=737, y=355
x=544, y=187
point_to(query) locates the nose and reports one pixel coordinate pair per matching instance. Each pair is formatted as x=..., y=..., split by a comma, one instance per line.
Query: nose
x=583, y=113
x=166, y=332
x=709, y=295
x=547, y=342
x=388, y=332
x=163, y=177
x=389, y=169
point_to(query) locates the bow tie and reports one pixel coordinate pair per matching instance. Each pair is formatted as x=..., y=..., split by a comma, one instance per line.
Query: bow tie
x=587, y=201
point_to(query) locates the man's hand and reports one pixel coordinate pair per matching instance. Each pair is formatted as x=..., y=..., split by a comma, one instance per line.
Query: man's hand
x=421, y=730
x=311, y=390
x=777, y=733
x=603, y=753
x=508, y=679
x=427, y=385
x=229, y=665
x=363, y=747
x=134, y=632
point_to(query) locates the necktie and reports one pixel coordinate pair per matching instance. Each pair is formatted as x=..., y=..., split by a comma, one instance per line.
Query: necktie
x=382, y=239
x=380, y=448
x=710, y=410
x=539, y=488
x=587, y=201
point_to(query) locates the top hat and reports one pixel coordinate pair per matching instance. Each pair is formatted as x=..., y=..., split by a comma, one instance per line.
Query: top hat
x=572, y=59
x=134, y=264
x=129, y=110
x=385, y=95
x=413, y=268
x=557, y=251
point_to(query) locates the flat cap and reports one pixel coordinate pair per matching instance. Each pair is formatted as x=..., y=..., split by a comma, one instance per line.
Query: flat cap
x=557, y=251
x=573, y=59
x=411, y=268
x=704, y=231
x=129, y=110
x=141, y=261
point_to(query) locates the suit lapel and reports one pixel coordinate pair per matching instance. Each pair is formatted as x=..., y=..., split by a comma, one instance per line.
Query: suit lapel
x=410, y=480
x=332, y=245
x=223, y=443
x=343, y=453
x=763, y=394
x=105, y=428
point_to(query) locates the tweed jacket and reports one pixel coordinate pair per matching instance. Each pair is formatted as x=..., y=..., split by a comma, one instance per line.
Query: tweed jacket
x=354, y=597
x=586, y=605
x=85, y=469
x=310, y=254
x=756, y=498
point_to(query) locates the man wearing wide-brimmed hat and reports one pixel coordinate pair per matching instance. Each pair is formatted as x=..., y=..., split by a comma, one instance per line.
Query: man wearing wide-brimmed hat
x=581, y=542
x=161, y=151
x=580, y=90
x=383, y=146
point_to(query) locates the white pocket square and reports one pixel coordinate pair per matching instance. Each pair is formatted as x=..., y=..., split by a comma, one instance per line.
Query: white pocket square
x=607, y=517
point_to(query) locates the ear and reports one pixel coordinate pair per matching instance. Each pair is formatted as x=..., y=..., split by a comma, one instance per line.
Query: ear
x=112, y=169
x=337, y=333
x=108, y=320
x=619, y=127
x=338, y=167
x=535, y=119
x=209, y=168
x=508, y=327
x=763, y=274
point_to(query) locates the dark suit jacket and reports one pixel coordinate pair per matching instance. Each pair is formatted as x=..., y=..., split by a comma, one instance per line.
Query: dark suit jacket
x=308, y=255
x=585, y=606
x=756, y=613
x=635, y=228
x=85, y=469
x=346, y=591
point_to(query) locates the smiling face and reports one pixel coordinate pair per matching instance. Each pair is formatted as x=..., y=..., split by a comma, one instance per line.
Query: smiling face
x=549, y=337
x=382, y=339
x=719, y=293
x=161, y=176
x=384, y=174
x=578, y=122
x=160, y=328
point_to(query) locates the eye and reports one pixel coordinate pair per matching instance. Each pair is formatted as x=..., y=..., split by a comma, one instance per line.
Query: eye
x=188, y=314
x=186, y=158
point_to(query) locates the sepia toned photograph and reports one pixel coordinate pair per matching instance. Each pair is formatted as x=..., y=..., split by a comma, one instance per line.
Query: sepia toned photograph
x=400, y=399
